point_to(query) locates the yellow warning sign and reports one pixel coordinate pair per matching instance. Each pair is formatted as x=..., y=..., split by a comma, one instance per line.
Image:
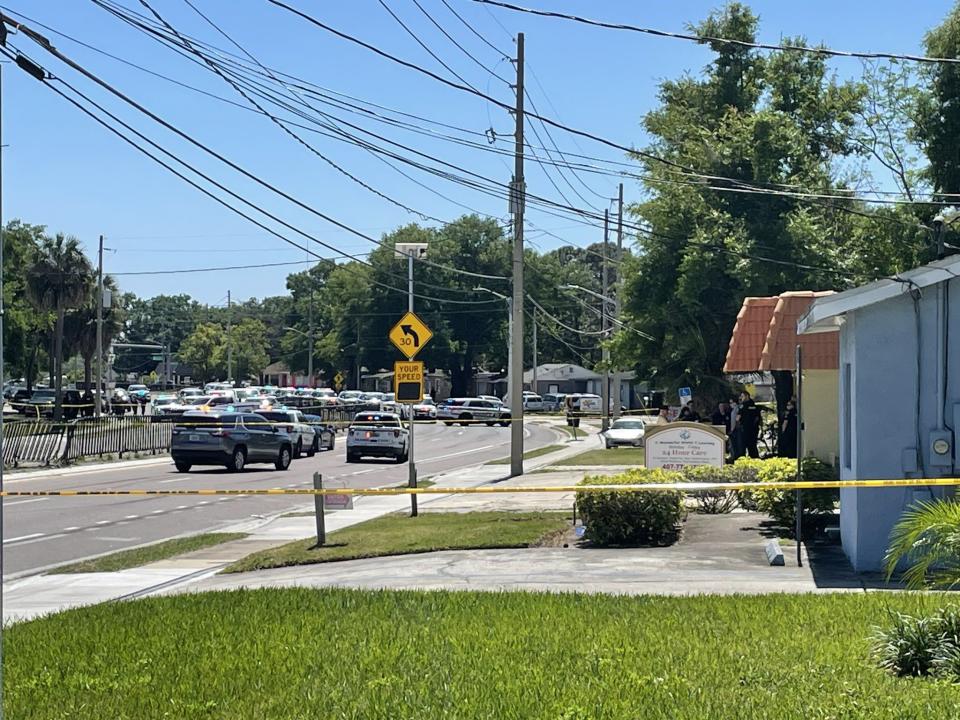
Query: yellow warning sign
x=410, y=335
x=408, y=381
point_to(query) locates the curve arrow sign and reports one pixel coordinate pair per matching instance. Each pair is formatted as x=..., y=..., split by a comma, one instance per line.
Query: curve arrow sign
x=408, y=330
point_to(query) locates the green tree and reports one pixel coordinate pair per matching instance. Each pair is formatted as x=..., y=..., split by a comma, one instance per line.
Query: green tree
x=80, y=332
x=250, y=345
x=938, y=115
x=766, y=121
x=58, y=279
x=202, y=350
x=24, y=326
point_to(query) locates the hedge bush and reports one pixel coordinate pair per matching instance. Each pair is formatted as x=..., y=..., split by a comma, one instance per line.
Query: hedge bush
x=632, y=518
x=781, y=504
x=712, y=502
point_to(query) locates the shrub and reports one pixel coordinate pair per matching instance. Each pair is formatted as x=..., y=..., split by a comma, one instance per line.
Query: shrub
x=632, y=518
x=781, y=504
x=927, y=538
x=916, y=646
x=712, y=502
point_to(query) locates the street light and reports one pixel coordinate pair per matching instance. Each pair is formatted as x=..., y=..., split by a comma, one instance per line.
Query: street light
x=589, y=292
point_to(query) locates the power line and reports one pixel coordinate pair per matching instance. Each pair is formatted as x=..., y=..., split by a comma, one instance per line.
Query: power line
x=454, y=41
x=474, y=31
x=43, y=42
x=702, y=39
x=207, y=192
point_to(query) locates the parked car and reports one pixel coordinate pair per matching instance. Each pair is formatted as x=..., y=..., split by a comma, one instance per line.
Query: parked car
x=139, y=393
x=425, y=410
x=554, y=402
x=377, y=434
x=231, y=439
x=187, y=393
x=625, y=432
x=162, y=402
x=468, y=411
x=20, y=400
x=42, y=402
x=293, y=423
x=325, y=435
x=532, y=402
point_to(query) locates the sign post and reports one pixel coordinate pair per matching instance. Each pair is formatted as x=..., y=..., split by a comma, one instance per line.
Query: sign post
x=409, y=336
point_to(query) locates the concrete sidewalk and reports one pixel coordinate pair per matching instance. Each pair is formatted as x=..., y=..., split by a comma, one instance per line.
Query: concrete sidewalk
x=718, y=554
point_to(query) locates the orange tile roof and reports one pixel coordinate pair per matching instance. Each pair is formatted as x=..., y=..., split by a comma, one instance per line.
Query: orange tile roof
x=749, y=334
x=821, y=351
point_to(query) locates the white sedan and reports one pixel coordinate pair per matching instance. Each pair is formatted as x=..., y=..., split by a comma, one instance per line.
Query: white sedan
x=628, y=432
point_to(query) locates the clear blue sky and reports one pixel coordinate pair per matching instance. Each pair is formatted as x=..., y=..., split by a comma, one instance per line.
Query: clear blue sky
x=64, y=171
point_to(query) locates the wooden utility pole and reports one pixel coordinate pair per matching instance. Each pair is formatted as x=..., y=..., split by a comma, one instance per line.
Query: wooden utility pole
x=517, y=199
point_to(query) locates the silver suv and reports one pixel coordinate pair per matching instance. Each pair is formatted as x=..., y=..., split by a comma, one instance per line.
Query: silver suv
x=469, y=411
x=377, y=434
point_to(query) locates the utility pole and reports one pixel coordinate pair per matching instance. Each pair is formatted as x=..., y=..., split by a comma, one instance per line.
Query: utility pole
x=310, y=341
x=99, y=396
x=533, y=317
x=3, y=38
x=509, y=344
x=617, y=391
x=603, y=324
x=229, y=337
x=517, y=198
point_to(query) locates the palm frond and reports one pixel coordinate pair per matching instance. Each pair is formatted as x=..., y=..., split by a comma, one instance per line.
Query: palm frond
x=927, y=537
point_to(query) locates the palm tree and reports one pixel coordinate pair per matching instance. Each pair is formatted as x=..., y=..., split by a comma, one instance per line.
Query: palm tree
x=80, y=328
x=927, y=537
x=59, y=278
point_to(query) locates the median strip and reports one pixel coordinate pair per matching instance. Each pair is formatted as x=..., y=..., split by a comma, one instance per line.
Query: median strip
x=126, y=559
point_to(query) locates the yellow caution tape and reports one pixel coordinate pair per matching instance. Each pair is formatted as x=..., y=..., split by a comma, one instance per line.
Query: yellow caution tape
x=504, y=490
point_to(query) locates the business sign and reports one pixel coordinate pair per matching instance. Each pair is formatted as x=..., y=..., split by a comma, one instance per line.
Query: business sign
x=408, y=381
x=410, y=335
x=337, y=502
x=682, y=444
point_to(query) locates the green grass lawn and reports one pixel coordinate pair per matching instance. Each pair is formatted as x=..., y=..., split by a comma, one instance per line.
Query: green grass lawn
x=530, y=454
x=301, y=653
x=151, y=553
x=616, y=456
x=399, y=534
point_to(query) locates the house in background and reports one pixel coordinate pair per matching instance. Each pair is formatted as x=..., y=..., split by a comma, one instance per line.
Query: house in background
x=765, y=340
x=280, y=375
x=898, y=402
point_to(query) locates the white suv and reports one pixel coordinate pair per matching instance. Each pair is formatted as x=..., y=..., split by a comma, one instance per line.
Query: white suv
x=377, y=434
x=292, y=421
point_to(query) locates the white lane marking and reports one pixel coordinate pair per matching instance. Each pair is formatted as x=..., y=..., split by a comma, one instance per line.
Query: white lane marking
x=22, y=537
x=182, y=507
x=71, y=528
x=102, y=522
x=157, y=512
x=131, y=517
x=42, y=538
x=203, y=502
x=23, y=502
x=172, y=480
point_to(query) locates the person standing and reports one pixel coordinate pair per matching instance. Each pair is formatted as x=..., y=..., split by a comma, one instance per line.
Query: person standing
x=787, y=447
x=748, y=418
x=721, y=416
x=734, y=431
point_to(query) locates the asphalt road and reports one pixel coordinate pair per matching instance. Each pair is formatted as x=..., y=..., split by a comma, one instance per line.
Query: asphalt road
x=44, y=531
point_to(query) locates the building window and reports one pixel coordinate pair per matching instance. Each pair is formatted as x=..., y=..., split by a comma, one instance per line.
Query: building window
x=847, y=391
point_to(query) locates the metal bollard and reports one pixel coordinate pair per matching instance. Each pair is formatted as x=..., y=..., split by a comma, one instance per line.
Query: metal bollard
x=318, y=510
